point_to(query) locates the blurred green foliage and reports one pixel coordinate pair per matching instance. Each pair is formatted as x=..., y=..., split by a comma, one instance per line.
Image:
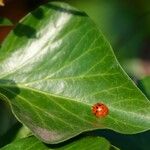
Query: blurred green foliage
x=126, y=24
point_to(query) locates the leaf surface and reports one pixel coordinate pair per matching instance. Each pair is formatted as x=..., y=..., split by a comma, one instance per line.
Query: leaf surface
x=88, y=143
x=55, y=65
x=29, y=143
x=146, y=85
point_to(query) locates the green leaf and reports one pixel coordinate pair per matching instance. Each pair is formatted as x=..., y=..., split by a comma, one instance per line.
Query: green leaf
x=10, y=135
x=88, y=143
x=138, y=141
x=23, y=132
x=55, y=66
x=29, y=143
x=5, y=22
x=6, y=118
x=7, y=121
x=15, y=132
x=146, y=85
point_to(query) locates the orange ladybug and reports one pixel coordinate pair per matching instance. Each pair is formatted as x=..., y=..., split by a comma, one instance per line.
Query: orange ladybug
x=100, y=110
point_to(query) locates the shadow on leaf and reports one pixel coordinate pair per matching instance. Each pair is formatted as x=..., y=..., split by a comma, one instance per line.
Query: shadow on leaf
x=38, y=14
x=9, y=89
x=22, y=30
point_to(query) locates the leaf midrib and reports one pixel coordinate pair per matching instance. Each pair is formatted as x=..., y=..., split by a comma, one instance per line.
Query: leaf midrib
x=45, y=93
x=53, y=95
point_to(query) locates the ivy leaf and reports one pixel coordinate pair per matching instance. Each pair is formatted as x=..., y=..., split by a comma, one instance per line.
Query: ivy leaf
x=28, y=143
x=88, y=143
x=5, y=22
x=7, y=121
x=23, y=132
x=55, y=66
x=146, y=85
x=138, y=141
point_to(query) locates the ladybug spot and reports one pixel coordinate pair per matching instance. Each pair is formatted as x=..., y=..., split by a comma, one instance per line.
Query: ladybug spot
x=100, y=110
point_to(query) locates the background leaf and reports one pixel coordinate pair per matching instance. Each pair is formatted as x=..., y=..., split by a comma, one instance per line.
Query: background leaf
x=23, y=132
x=7, y=121
x=55, y=65
x=5, y=22
x=138, y=141
x=88, y=143
x=28, y=143
x=146, y=85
